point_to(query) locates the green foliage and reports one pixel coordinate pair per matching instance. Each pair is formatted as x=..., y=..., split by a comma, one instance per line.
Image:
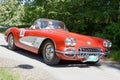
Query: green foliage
x=115, y=55
x=5, y=74
x=10, y=13
x=2, y=30
x=114, y=30
x=80, y=28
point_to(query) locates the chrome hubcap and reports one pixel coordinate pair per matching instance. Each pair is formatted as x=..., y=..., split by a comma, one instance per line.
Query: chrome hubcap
x=49, y=52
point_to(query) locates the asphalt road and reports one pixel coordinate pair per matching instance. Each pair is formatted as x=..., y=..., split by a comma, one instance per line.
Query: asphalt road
x=33, y=66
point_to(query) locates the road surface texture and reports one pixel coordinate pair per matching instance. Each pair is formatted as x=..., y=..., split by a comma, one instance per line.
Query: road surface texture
x=31, y=67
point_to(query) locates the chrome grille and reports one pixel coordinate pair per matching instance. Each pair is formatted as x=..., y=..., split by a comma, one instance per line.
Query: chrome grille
x=86, y=51
x=90, y=50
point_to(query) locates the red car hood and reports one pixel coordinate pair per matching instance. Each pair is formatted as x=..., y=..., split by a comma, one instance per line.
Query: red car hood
x=82, y=40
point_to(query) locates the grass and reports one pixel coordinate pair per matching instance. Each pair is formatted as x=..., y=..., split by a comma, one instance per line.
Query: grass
x=115, y=55
x=6, y=74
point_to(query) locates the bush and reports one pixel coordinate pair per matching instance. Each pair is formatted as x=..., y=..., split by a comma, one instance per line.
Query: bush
x=2, y=30
x=112, y=32
x=115, y=55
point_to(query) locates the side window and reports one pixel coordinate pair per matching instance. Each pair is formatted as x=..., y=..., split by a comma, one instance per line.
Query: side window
x=37, y=24
x=44, y=24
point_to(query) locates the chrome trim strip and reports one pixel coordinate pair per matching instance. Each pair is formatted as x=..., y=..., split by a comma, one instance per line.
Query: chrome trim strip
x=61, y=52
x=58, y=51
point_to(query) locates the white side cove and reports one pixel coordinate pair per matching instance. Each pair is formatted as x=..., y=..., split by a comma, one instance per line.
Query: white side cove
x=32, y=41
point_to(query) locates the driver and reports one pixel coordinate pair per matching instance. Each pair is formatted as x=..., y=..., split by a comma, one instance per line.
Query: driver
x=50, y=25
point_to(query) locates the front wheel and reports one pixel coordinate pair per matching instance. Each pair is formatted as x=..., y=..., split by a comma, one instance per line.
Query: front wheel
x=11, y=44
x=49, y=55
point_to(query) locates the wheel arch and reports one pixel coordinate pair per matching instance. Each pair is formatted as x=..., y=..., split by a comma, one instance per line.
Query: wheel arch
x=10, y=31
x=8, y=35
x=42, y=44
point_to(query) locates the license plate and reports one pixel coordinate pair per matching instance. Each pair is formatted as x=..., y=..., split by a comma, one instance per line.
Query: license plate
x=92, y=58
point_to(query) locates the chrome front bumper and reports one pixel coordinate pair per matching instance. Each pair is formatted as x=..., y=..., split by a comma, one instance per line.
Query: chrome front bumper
x=83, y=52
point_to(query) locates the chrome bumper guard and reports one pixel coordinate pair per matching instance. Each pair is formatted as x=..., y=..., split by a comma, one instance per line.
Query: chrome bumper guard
x=107, y=54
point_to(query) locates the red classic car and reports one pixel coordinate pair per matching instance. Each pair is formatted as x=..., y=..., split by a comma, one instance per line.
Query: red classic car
x=52, y=39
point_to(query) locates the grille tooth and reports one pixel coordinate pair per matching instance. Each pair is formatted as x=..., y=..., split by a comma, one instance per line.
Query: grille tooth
x=95, y=50
x=88, y=50
x=81, y=49
x=92, y=50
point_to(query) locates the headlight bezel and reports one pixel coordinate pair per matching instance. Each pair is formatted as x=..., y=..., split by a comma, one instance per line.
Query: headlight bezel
x=70, y=42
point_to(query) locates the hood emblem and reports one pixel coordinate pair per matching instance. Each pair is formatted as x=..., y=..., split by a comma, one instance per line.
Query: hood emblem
x=89, y=43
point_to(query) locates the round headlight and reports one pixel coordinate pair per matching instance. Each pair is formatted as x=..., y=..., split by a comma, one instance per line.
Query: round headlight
x=70, y=42
x=107, y=43
x=73, y=42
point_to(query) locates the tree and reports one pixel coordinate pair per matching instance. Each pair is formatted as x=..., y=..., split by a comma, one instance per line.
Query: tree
x=81, y=16
x=11, y=13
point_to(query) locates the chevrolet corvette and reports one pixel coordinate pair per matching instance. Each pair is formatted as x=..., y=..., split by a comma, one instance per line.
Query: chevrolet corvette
x=52, y=39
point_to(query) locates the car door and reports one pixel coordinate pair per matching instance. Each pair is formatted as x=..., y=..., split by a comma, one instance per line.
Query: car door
x=28, y=40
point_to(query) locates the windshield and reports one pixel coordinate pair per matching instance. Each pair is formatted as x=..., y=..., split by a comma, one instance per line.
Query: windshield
x=49, y=24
